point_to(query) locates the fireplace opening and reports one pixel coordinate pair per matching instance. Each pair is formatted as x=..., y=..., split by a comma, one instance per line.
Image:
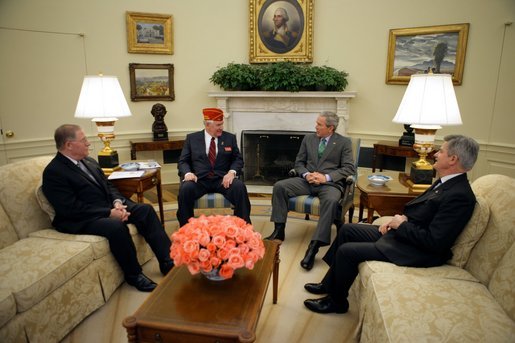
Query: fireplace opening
x=269, y=154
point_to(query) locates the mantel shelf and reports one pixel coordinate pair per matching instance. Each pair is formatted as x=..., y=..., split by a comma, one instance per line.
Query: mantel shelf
x=262, y=94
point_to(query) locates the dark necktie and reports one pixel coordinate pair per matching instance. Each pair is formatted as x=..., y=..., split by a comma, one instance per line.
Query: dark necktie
x=212, y=152
x=82, y=167
x=321, y=147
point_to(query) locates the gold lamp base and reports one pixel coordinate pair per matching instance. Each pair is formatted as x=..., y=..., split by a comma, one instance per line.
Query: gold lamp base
x=107, y=157
x=421, y=173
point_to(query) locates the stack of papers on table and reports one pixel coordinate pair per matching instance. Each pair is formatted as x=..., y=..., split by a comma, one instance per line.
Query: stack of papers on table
x=148, y=165
x=125, y=174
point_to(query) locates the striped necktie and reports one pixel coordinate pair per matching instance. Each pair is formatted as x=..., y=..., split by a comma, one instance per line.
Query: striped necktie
x=321, y=147
x=212, y=152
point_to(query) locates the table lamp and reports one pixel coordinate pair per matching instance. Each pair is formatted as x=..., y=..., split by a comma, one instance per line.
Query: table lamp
x=101, y=98
x=428, y=103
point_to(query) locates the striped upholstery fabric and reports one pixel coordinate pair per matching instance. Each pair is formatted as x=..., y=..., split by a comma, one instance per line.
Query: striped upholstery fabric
x=305, y=204
x=310, y=205
x=212, y=200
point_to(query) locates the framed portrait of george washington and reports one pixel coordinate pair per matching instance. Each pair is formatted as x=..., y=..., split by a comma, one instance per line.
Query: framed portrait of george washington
x=439, y=49
x=281, y=30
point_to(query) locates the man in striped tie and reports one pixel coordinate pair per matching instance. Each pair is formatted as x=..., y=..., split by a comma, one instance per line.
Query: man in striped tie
x=210, y=162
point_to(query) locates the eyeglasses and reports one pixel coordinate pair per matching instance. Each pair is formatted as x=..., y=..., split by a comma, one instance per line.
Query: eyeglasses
x=83, y=140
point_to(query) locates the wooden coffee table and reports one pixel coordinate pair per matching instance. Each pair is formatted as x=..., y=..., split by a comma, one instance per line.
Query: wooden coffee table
x=190, y=308
x=387, y=200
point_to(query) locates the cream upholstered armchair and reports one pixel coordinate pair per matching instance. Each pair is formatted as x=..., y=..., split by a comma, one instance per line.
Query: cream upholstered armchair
x=310, y=205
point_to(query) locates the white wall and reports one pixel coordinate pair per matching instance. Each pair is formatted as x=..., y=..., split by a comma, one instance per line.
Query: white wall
x=43, y=60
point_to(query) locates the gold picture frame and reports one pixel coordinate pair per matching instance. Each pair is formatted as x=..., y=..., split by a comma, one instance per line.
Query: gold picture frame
x=293, y=43
x=151, y=82
x=440, y=49
x=149, y=33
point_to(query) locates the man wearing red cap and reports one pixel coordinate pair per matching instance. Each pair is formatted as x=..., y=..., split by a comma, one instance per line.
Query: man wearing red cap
x=210, y=163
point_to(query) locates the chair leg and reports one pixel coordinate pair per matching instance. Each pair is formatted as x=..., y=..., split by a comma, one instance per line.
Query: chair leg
x=351, y=213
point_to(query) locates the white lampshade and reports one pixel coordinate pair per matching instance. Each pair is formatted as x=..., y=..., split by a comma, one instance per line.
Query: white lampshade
x=102, y=99
x=429, y=100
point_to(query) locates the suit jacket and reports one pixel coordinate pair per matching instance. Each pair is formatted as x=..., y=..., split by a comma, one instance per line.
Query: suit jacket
x=435, y=219
x=337, y=160
x=76, y=198
x=194, y=159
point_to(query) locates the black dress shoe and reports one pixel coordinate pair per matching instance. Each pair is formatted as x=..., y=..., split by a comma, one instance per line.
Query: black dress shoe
x=278, y=232
x=166, y=266
x=315, y=288
x=141, y=282
x=309, y=259
x=326, y=305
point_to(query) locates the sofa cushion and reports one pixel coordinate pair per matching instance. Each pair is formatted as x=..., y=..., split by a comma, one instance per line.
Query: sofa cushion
x=43, y=201
x=470, y=234
x=7, y=306
x=368, y=268
x=19, y=179
x=34, y=267
x=407, y=308
x=499, y=236
x=7, y=234
x=502, y=283
x=99, y=244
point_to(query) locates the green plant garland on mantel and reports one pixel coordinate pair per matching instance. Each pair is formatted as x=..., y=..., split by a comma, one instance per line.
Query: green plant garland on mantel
x=280, y=76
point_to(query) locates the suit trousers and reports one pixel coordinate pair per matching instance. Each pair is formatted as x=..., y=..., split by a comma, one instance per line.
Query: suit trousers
x=354, y=244
x=144, y=217
x=329, y=201
x=190, y=191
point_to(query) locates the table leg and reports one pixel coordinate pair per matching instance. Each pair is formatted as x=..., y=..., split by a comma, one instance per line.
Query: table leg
x=362, y=201
x=160, y=202
x=370, y=215
x=275, y=272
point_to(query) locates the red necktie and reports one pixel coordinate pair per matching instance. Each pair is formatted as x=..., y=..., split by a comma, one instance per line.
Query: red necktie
x=212, y=152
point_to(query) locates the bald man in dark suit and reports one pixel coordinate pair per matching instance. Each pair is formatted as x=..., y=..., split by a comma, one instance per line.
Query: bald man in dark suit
x=86, y=202
x=421, y=237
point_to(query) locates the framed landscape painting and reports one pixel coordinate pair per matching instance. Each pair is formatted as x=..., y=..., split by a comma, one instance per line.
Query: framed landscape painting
x=439, y=49
x=151, y=82
x=149, y=33
x=281, y=30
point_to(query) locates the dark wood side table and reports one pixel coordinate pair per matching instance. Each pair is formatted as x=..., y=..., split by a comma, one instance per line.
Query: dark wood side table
x=387, y=200
x=136, y=146
x=390, y=148
x=138, y=185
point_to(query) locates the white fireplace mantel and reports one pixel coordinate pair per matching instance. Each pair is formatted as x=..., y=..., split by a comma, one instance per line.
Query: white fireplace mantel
x=281, y=110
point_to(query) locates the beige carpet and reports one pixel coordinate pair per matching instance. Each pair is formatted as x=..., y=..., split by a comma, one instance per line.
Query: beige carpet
x=287, y=321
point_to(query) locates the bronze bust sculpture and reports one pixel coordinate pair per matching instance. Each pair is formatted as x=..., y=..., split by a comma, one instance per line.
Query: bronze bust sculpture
x=159, y=127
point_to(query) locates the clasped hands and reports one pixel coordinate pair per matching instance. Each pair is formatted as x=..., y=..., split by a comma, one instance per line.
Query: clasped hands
x=394, y=224
x=315, y=178
x=119, y=211
x=226, y=182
